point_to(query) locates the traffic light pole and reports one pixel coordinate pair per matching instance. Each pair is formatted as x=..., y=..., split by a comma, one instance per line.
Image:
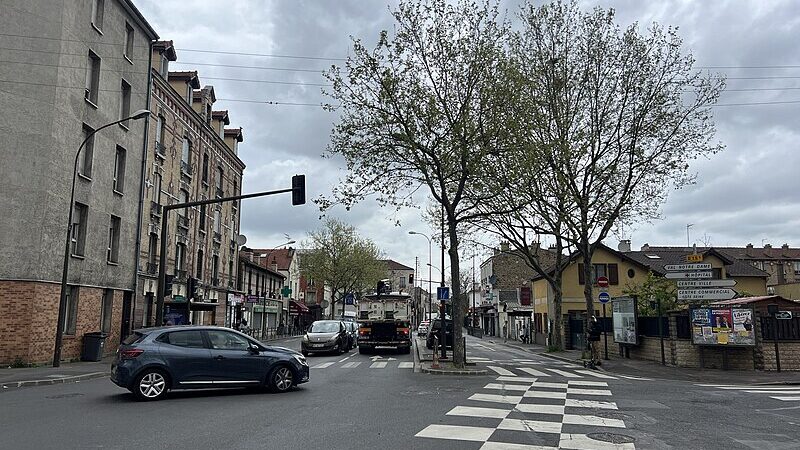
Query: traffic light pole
x=162, y=260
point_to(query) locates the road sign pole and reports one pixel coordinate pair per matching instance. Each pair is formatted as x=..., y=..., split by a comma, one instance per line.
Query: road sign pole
x=605, y=332
x=775, y=338
x=661, y=331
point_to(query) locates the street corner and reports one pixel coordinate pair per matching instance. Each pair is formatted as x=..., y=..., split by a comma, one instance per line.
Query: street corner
x=447, y=368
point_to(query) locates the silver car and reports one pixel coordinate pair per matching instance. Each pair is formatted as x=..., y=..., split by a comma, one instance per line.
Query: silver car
x=326, y=336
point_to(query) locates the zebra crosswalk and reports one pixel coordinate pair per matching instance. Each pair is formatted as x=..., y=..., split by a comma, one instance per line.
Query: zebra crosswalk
x=368, y=364
x=777, y=392
x=562, y=371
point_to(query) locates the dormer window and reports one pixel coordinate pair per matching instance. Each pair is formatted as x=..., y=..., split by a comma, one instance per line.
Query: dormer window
x=189, y=91
x=164, y=66
x=222, y=129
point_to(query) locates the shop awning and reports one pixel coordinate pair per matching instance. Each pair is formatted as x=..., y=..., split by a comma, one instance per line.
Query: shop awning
x=296, y=307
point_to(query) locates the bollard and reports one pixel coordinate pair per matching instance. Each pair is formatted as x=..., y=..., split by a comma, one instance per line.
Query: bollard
x=435, y=364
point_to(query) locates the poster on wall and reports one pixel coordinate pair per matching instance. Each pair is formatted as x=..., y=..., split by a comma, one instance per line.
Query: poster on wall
x=624, y=318
x=730, y=326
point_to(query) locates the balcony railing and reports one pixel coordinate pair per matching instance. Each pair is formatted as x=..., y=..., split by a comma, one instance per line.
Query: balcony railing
x=155, y=209
x=183, y=222
x=219, y=192
x=152, y=268
x=161, y=150
x=186, y=168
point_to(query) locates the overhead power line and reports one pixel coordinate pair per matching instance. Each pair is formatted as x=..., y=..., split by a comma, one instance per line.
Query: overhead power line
x=283, y=69
x=265, y=55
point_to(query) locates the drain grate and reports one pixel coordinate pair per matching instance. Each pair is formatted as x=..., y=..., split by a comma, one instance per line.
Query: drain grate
x=70, y=395
x=613, y=438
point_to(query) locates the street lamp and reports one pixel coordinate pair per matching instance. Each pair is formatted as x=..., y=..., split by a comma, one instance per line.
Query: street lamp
x=430, y=284
x=62, y=303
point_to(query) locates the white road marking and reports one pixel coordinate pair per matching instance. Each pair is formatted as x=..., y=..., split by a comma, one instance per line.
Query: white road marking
x=540, y=409
x=477, y=358
x=507, y=387
x=575, y=419
x=753, y=391
x=596, y=374
x=584, y=442
x=517, y=379
x=533, y=372
x=461, y=433
x=786, y=399
x=564, y=373
x=469, y=411
x=406, y=365
x=530, y=425
x=378, y=365
x=587, y=383
x=323, y=365
x=577, y=391
x=351, y=364
x=545, y=394
x=345, y=359
x=501, y=371
x=573, y=403
x=550, y=385
x=510, y=399
x=635, y=378
x=508, y=446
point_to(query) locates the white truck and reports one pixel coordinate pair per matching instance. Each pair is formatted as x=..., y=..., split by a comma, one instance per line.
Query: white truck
x=383, y=321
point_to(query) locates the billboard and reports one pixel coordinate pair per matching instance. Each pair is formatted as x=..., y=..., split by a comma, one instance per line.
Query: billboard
x=722, y=325
x=624, y=318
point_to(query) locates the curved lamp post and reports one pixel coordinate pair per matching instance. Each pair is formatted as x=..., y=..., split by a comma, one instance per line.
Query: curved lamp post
x=62, y=304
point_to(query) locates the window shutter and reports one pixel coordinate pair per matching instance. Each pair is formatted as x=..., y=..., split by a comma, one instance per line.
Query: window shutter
x=581, y=279
x=613, y=274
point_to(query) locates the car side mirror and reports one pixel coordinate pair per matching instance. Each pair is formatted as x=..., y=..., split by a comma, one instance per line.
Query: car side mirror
x=254, y=350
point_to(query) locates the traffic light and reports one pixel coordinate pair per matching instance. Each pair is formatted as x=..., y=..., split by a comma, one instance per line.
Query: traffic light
x=381, y=287
x=298, y=190
x=191, y=286
x=411, y=279
x=168, y=284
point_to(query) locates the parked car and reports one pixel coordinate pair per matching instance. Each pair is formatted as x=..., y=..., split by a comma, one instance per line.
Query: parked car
x=422, y=330
x=153, y=361
x=436, y=331
x=326, y=336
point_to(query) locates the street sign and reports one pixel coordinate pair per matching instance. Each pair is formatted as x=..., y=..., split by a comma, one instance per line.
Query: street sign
x=349, y=299
x=706, y=283
x=602, y=281
x=286, y=291
x=442, y=293
x=694, y=258
x=701, y=266
x=706, y=294
x=784, y=315
x=688, y=275
x=604, y=297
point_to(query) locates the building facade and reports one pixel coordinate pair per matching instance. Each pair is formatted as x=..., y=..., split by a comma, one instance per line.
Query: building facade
x=190, y=156
x=258, y=307
x=69, y=69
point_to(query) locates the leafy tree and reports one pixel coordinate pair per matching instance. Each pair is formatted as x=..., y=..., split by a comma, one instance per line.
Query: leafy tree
x=652, y=289
x=420, y=111
x=341, y=261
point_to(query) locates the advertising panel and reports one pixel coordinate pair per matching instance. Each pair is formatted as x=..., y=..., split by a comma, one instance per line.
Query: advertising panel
x=731, y=326
x=624, y=318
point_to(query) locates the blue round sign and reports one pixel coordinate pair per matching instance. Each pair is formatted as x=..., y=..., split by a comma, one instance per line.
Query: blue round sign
x=604, y=297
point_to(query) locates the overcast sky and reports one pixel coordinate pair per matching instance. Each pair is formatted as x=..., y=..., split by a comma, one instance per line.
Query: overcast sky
x=749, y=193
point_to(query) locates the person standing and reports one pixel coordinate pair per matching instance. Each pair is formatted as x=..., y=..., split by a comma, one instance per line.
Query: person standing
x=594, y=340
x=505, y=331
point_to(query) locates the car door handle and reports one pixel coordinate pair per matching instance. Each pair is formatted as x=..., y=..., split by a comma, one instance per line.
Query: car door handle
x=219, y=357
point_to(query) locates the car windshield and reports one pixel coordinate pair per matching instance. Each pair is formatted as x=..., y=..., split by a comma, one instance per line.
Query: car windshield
x=324, y=327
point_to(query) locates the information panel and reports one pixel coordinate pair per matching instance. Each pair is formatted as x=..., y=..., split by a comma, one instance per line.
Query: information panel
x=624, y=318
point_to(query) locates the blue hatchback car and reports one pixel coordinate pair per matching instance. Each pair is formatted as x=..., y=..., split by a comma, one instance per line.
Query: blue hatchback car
x=152, y=361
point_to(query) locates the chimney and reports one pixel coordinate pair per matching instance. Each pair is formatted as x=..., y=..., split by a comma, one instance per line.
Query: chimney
x=785, y=246
x=767, y=245
x=624, y=246
x=274, y=265
x=646, y=247
x=747, y=249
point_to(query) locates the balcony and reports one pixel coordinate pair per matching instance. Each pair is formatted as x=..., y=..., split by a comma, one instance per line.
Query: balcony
x=219, y=192
x=186, y=169
x=152, y=268
x=183, y=222
x=161, y=150
x=155, y=209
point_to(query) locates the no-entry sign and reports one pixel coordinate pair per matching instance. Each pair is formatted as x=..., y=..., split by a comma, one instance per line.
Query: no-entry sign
x=602, y=281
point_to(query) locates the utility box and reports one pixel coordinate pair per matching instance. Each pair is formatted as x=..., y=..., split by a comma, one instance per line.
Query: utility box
x=93, y=345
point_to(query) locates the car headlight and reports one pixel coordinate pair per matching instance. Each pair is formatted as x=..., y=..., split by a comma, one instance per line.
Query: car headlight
x=301, y=359
x=305, y=338
x=333, y=339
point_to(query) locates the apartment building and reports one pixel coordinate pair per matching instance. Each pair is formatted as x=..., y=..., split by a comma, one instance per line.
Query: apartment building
x=190, y=156
x=69, y=68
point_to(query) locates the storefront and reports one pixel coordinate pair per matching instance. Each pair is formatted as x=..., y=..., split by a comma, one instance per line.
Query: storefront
x=299, y=315
x=203, y=312
x=233, y=310
x=176, y=311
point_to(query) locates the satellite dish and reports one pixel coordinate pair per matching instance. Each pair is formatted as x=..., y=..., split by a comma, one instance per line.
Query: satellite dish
x=241, y=239
x=324, y=304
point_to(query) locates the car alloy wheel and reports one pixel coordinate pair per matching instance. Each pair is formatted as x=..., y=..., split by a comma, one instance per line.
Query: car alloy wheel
x=282, y=379
x=151, y=386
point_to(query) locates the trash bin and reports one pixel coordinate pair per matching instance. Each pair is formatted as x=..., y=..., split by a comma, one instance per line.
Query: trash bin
x=93, y=344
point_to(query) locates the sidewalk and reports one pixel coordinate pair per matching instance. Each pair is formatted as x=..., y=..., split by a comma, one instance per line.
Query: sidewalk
x=70, y=372
x=651, y=369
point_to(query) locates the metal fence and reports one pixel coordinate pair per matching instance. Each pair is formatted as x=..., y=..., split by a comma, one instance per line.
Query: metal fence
x=273, y=333
x=683, y=327
x=648, y=326
x=788, y=329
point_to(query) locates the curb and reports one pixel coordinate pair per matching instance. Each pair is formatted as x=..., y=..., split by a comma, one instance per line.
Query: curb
x=47, y=382
x=452, y=372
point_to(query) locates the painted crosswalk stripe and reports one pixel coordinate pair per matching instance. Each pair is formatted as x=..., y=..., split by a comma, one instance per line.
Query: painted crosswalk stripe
x=323, y=365
x=630, y=377
x=587, y=383
x=509, y=446
x=564, y=373
x=573, y=403
x=507, y=387
x=352, y=364
x=461, y=433
x=533, y=372
x=469, y=411
x=786, y=399
x=509, y=399
x=540, y=409
x=575, y=419
x=771, y=391
x=577, y=391
x=584, y=442
x=517, y=379
x=545, y=394
x=378, y=365
x=406, y=365
x=476, y=358
x=541, y=384
x=530, y=425
x=596, y=374
x=501, y=371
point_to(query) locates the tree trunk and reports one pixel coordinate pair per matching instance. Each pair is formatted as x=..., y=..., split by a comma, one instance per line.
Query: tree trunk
x=459, y=301
x=557, y=342
x=587, y=292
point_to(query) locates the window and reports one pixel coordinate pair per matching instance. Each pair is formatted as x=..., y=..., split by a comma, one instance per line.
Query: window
x=189, y=338
x=222, y=129
x=208, y=114
x=189, y=92
x=152, y=252
x=220, y=176
x=113, y=240
x=164, y=66
x=160, y=131
x=71, y=318
x=85, y=163
x=759, y=264
x=125, y=102
x=199, y=271
x=119, y=170
x=217, y=222
x=230, y=271
x=106, y=310
x=797, y=267
x=79, y=217
x=202, y=219
x=187, y=144
x=180, y=252
x=157, y=187
x=97, y=13
x=225, y=340
x=215, y=269
x=184, y=198
x=610, y=271
x=92, y=78
x=205, y=168
x=128, y=41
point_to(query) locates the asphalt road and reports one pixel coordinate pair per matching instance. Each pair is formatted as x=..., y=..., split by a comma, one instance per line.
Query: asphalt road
x=355, y=401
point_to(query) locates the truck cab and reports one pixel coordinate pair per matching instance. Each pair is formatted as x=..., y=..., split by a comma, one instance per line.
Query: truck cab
x=384, y=322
